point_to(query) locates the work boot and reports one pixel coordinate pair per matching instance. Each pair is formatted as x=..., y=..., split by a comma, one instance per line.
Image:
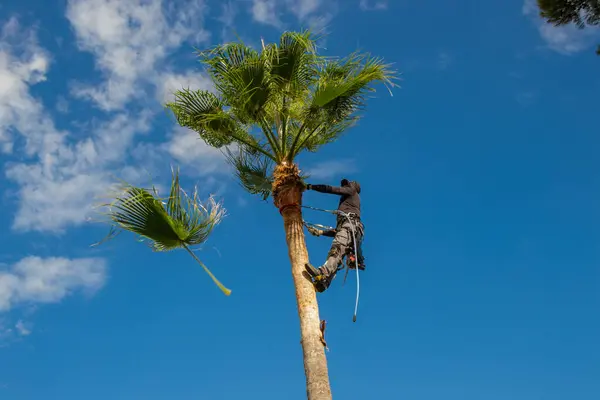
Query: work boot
x=319, y=278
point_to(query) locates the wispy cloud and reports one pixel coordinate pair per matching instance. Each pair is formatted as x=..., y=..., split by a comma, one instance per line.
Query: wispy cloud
x=444, y=60
x=227, y=18
x=57, y=188
x=172, y=81
x=185, y=147
x=62, y=105
x=565, y=40
x=60, y=173
x=332, y=169
x=22, y=329
x=23, y=63
x=265, y=12
x=526, y=98
x=49, y=280
x=314, y=14
x=129, y=40
x=368, y=5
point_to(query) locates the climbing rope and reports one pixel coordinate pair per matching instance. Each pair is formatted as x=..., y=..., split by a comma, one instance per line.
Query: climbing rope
x=348, y=217
x=309, y=224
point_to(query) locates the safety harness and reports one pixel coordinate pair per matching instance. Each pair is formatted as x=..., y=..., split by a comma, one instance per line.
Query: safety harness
x=349, y=217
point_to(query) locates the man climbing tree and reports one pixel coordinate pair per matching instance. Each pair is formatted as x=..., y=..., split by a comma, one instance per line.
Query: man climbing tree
x=348, y=227
x=269, y=105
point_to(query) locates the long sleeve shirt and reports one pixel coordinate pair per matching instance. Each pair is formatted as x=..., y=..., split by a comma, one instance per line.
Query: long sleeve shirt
x=349, y=197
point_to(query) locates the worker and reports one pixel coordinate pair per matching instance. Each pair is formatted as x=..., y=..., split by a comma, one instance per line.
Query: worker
x=348, y=219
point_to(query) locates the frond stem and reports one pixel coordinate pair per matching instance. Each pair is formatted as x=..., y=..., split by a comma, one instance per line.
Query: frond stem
x=270, y=138
x=226, y=291
x=292, y=148
x=306, y=140
x=283, y=126
x=254, y=147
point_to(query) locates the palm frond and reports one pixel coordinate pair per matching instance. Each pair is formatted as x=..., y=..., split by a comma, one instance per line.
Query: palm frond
x=241, y=75
x=255, y=173
x=326, y=133
x=294, y=62
x=204, y=113
x=278, y=101
x=339, y=93
x=180, y=222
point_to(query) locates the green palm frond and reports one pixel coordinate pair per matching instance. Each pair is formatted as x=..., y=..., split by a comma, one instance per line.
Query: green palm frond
x=181, y=222
x=255, y=173
x=241, y=76
x=295, y=61
x=339, y=94
x=204, y=113
x=326, y=133
x=277, y=101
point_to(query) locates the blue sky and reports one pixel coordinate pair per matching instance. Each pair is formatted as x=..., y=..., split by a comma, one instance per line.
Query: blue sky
x=480, y=200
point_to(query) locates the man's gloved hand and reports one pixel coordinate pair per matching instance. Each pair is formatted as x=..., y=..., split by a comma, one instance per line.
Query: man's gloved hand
x=314, y=231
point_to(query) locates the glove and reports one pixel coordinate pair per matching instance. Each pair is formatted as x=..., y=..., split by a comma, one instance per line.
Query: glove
x=314, y=231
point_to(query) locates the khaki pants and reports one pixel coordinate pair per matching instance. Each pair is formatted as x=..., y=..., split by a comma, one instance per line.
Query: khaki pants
x=342, y=242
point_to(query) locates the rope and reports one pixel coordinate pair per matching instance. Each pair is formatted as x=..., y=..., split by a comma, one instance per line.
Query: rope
x=356, y=265
x=318, y=225
x=347, y=216
x=322, y=209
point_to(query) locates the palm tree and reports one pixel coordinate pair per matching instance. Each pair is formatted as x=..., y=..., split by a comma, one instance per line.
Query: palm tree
x=270, y=105
x=181, y=222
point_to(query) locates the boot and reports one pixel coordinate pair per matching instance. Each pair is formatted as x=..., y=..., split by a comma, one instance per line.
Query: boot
x=319, y=278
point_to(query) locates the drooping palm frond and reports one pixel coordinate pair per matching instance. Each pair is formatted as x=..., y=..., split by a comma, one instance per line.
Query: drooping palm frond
x=204, y=113
x=255, y=173
x=181, y=222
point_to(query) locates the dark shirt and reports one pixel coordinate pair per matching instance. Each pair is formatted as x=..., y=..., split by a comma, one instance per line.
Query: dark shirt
x=349, y=200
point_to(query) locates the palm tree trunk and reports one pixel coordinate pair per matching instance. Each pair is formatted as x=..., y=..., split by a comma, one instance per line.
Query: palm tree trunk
x=315, y=362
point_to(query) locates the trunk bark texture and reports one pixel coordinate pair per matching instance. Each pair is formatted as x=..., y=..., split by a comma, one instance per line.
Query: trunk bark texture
x=288, y=200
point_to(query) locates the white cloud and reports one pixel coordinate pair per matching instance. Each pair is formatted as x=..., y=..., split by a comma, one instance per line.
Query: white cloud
x=264, y=11
x=367, y=5
x=314, y=13
x=171, y=82
x=565, y=40
x=62, y=105
x=332, y=169
x=58, y=189
x=526, y=98
x=49, y=280
x=227, y=18
x=188, y=150
x=444, y=60
x=22, y=329
x=129, y=39
x=63, y=173
x=304, y=8
x=23, y=63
